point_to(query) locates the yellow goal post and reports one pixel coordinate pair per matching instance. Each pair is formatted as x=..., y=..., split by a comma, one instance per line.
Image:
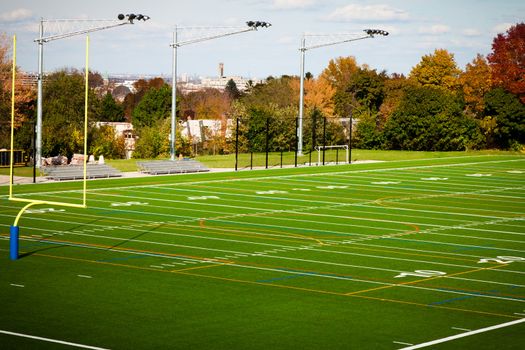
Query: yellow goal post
x=14, y=229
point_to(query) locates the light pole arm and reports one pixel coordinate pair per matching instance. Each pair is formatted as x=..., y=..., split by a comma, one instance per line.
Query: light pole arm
x=79, y=32
x=211, y=37
x=334, y=43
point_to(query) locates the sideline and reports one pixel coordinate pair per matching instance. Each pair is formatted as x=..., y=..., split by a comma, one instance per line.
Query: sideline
x=52, y=340
x=457, y=336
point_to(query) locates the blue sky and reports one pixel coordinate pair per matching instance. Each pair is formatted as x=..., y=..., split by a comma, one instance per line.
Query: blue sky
x=417, y=27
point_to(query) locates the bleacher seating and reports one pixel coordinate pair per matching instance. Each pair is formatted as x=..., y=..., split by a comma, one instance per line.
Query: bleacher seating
x=171, y=167
x=76, y=172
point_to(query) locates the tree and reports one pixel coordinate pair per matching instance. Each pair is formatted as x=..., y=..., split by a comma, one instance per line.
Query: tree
x=395, y=88
x=152, y=141
x=339, y=71
x=231, y=90
x=24, y=100
x=154, y=106
x=63, y=113
x=104, y=142
x=318, y=93
x=508, y=60
x=367, y=89
x=141, y=86
x=430, y=119
x=475, y=83
x=110, y=110
x=206, y=104
x=509, y=115
x=276, y=90
x=438, y=70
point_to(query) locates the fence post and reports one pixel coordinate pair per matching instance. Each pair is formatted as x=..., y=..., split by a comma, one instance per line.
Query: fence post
x=350, y=140
x=237, y=144
x=267, y=137
x=296, y=138
x=324, y=137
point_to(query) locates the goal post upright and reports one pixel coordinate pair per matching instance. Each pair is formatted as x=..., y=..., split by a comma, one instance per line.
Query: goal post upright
x=14, y=234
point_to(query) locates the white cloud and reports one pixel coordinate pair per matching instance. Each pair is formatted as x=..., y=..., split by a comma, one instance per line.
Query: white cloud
x=292, y=4
x=16, y=15
x=501, y=28
x=355, y=12
x=436, y=29
x=471, y=32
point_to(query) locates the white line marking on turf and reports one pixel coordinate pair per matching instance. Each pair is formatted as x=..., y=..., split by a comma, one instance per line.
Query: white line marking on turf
x=461, y=329
x=519, y=314
x=401, y=343
x=52, y=340
x=17, y=285
x=457, y=336
x=84, y=276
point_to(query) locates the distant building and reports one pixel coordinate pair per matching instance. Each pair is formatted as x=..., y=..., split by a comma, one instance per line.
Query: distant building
x=125, y=130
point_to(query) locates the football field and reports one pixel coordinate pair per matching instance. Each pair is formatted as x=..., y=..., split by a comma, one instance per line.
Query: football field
x=405, y=254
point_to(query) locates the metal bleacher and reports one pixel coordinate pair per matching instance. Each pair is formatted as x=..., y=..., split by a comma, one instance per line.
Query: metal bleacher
x=76, y=172
x=158, y=167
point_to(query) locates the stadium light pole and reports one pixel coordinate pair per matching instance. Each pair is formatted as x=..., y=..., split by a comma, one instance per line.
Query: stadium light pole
x=251, y=26
x=122, y=20
x=369, y=33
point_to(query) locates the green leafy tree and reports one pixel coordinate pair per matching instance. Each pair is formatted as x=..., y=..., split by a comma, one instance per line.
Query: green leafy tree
x=63, y=113
x=276, y=91
x=141, y=86
x=104, y=142
x=231, y=90
x=367, y=134
x=364, y=92
x=154, y=106
x=509, y=115
x=110, y=110
x=430, y=119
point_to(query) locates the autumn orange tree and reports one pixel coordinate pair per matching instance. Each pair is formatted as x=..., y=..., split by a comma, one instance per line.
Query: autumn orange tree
x=24, y=100
x=475, y=82
x=508, y=60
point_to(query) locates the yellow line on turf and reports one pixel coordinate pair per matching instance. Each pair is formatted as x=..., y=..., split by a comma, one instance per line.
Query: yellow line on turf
x=421, y=280
x=200, y=267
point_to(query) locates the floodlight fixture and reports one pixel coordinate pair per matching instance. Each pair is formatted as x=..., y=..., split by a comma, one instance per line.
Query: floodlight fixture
x=258, y=24
x=132, y=16
x=373, y=32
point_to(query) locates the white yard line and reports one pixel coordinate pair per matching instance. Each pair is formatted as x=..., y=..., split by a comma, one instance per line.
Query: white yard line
x=294, y=175
x=52, y=340
x=462, y=335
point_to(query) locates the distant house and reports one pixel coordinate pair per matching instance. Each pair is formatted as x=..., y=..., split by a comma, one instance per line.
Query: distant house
x=125, y=130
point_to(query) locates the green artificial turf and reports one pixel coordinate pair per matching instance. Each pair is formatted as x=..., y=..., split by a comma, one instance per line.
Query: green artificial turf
x=363, y=256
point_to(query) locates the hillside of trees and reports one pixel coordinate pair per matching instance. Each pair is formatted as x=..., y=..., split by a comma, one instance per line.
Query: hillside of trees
x=437, y=106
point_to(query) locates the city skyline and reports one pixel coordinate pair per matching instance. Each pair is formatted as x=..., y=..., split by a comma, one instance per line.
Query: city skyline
x=416, y=28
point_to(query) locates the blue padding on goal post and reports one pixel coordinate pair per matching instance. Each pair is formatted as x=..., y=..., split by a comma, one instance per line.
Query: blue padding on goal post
x=13, y=242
